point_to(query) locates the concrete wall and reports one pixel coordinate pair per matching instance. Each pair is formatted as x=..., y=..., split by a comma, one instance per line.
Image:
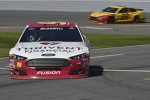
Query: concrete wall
x=69, y=5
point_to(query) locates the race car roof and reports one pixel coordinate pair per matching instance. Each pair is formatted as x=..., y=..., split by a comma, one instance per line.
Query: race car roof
x=118, y=6
x=52, y=24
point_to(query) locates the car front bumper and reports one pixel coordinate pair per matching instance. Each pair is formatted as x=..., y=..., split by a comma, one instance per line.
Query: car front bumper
x=76, y=69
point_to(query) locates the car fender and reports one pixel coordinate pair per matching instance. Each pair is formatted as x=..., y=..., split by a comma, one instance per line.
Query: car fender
x=105, y=19
x=109, y=17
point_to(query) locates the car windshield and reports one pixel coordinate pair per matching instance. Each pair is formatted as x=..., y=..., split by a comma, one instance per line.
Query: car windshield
x=64, y=34
x=110, y=9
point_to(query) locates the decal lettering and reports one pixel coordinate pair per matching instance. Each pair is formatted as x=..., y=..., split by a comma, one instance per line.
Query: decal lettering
x=53, y=49
x=18, y=49
x=45, y=47
x=42, y=51
x=59, y=47
x=11, y=62
x=48, y=72
x=79, y=48
x=48, y=54
x=69, y=47
x=52, y=28
x=38, y=47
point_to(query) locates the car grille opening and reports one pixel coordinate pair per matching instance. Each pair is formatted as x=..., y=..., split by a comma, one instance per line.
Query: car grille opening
x=38, y=63
x=47, y=68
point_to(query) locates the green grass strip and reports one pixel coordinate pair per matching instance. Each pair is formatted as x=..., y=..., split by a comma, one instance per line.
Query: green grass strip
x=8, y=40
x=116, y=40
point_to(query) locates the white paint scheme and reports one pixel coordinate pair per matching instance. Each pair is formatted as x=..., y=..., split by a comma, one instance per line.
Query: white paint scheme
x=60, y=49
x=78, y=48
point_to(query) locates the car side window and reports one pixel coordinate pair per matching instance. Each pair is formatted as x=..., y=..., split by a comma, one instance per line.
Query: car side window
x=132, y=10
x=124, y=10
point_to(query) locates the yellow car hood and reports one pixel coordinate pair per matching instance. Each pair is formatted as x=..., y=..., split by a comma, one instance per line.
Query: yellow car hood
x=99, y=13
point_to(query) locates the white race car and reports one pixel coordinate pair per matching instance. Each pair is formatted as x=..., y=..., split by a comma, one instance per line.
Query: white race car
x=50, y=50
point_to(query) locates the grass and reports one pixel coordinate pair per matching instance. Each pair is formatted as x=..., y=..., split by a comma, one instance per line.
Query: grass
x=116, y=40
x=8, y=40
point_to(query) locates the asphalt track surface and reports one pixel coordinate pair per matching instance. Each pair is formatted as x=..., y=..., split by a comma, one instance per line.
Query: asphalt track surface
x=17, y=20
x=126, y=73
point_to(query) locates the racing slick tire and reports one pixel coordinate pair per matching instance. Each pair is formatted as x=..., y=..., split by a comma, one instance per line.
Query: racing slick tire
x=136, y=19
x=111, y=20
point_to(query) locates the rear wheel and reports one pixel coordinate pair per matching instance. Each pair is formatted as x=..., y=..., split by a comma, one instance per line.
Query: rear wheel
x=136, y=19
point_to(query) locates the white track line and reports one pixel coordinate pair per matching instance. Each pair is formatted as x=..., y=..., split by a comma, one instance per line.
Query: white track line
x=134, y=1
x=3, y=68
x=87, y=0
x=146, y=79
x=141, y=71
x=107, y=56
x=105, y=70
x=3, y=58
x=109, y=70
x=141, y=1
x=123, y=47
x=6, y=66
x=98, y=28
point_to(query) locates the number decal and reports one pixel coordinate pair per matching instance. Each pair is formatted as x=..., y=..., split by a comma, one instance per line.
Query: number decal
x=124, y=17
x=60, y=23
x=19, y=64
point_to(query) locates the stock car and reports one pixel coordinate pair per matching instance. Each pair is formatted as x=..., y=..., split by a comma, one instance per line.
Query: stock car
x=50, y=50
x=117, y=14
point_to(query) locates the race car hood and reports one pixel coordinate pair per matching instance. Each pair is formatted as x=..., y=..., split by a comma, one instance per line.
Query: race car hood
x=35, y=50
x=100, y=13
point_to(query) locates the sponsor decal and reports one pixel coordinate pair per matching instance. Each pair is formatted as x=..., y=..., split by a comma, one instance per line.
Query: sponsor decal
x=60, y=23
x=48, y=72
x=48, y=54
x=53, y=49
x=45, y=43
x=19, y=64
x=11, y=62
x=52, y=28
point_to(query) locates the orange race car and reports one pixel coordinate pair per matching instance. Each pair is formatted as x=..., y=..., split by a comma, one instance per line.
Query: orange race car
x=117, y=14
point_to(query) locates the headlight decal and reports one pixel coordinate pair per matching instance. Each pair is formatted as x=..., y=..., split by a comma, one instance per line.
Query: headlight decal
x=84, y=55
x=17, y=57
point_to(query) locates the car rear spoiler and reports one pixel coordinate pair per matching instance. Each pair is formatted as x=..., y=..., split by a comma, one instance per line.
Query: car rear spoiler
x=140, y=9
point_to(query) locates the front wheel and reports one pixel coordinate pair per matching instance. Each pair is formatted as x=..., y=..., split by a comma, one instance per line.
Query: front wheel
x=111, y=20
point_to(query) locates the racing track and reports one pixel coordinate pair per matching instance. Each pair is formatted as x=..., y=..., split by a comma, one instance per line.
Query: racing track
x=126, y=73
x=17, y=20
